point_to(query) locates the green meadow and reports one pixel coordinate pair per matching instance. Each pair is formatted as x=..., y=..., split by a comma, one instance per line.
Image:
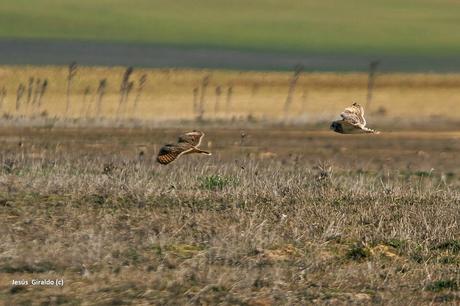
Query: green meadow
x=419, y=27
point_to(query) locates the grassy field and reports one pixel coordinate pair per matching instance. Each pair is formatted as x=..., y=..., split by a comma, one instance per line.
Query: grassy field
x=283, y=216
x=422, y=27
x=399, y=100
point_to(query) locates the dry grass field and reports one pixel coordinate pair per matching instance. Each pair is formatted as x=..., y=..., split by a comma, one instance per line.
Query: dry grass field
x=168, y=94
x=281, y=217
x=289, y=214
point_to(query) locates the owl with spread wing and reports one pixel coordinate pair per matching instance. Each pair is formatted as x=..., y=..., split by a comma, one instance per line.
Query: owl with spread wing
x=352, y=122
x=186, y=144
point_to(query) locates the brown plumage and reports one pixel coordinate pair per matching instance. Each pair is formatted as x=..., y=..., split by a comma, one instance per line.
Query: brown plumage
x=186, y=144
x=353, y=121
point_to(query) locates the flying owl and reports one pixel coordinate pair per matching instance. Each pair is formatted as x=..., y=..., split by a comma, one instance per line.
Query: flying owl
x=186, y=144
x=352, y=122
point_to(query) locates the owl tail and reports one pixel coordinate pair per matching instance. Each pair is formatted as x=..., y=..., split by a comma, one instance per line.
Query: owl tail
x=370, y=131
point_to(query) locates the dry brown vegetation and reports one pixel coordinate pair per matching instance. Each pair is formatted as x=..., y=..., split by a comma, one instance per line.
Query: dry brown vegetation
x=279, y=217
x=169, y=94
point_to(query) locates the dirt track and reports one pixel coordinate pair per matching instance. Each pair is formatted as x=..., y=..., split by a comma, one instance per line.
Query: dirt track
x=389, y=150
x=142, y=55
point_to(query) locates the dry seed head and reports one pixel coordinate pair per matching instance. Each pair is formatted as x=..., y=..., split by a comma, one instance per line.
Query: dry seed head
x=142, y=81
x=21, y=89
x=205, y=81
x=102, y=86
x=124, y=83
x=72, y=70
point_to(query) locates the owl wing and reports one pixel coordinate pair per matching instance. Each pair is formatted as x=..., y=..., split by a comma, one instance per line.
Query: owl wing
x=350, y=128
x=171, y=152
x=191, y=138
x=354, y=115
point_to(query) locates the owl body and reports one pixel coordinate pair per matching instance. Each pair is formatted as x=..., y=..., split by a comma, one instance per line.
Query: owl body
x=352, y=122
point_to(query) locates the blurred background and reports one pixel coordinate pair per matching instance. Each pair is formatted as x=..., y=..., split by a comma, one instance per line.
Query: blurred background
x=296, y=62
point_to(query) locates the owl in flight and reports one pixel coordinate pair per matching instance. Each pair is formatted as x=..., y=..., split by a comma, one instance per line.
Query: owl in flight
x=352, y=122
x=186, y=144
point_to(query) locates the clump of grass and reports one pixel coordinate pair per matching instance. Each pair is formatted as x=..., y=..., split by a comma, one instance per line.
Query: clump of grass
x=396, y=243
x=37, y=267
x=443, y=284
x=216, y=182
x=131, y=256
x=449, y=245
x=9, y=165
x=323, y=176
x=422, y=173
x=417, y=254
x=108, y=168
x=358, y=252
x=449, y=260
